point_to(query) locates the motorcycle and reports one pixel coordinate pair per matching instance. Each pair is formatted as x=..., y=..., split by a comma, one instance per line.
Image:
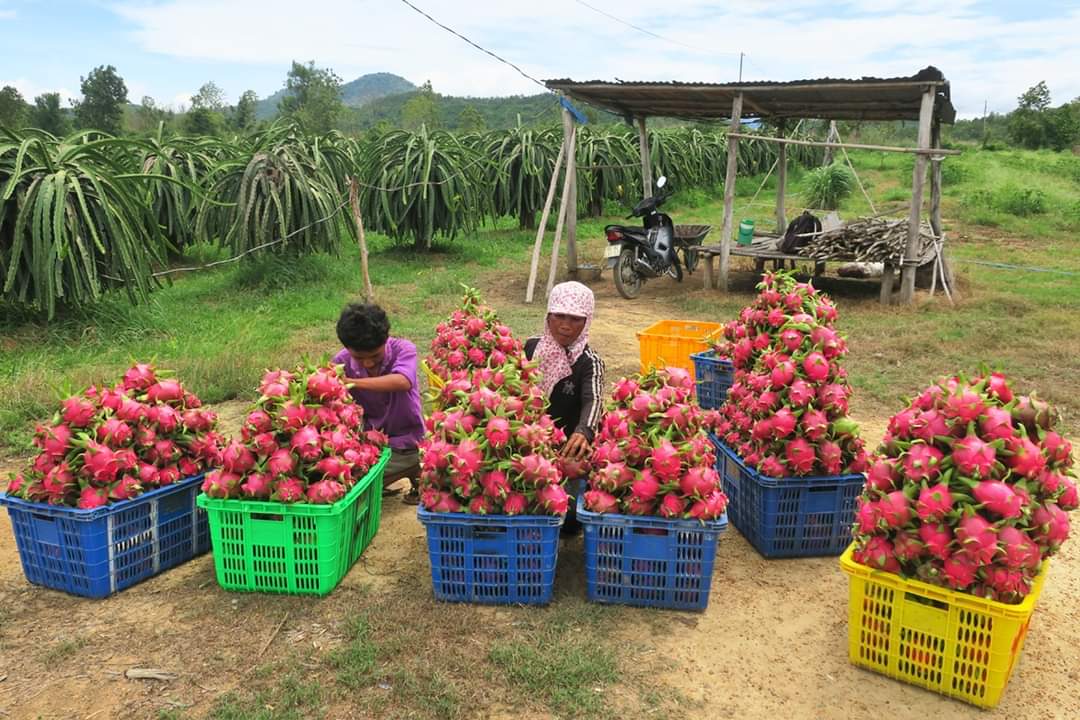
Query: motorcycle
x=651, y=251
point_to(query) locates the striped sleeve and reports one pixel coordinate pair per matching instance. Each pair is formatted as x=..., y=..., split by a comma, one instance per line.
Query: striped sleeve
x=592, y=395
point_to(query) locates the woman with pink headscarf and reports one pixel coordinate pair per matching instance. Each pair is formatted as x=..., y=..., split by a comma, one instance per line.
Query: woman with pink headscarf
x=573, y=374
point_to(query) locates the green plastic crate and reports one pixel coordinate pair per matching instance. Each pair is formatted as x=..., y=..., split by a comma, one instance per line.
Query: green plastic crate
x=297, y=549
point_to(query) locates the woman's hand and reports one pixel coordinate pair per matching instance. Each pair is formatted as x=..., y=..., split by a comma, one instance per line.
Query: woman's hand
x=576, y=447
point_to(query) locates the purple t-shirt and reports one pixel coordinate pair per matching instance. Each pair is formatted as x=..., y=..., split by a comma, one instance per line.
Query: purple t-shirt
x=398, y=414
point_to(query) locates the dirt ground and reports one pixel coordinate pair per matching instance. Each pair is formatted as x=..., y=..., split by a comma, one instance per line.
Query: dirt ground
x=772, y=643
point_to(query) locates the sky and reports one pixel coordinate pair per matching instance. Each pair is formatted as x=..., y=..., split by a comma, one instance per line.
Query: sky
x=991, y=52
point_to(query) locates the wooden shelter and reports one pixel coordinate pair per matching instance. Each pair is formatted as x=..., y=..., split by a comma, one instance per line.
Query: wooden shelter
x=923, y=97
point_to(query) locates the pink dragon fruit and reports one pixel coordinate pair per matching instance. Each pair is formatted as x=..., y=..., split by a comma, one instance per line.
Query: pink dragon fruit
x=973, y=457
x=934, y=503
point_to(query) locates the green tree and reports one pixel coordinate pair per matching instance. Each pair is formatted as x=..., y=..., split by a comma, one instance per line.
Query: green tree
x=1063, y=126
x=12, y=108
x=421, y=109
x=148, y=115
x=470, y=120
x=313, y=98
x=205, y=116
x=48, y=115
x=210, y=97
x=1036, y=97
x=243, y=117
x=104, y=96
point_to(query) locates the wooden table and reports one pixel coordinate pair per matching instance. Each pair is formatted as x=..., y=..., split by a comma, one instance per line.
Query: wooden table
x=763, y=249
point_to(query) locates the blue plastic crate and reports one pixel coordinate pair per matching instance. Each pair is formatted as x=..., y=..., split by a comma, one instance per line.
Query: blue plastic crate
x=714, y=378
x=649, y=561
x=789, y=517
x=492, y=559
x=95, y=553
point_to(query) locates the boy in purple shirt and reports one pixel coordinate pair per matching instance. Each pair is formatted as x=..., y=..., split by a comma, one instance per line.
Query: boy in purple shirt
x=383, y=372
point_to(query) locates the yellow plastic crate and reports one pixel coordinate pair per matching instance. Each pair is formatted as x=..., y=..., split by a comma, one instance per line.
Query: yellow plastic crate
x=950, y=642
x=672, y=342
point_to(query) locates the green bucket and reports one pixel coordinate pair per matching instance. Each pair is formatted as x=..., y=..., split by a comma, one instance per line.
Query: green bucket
x=746, y=232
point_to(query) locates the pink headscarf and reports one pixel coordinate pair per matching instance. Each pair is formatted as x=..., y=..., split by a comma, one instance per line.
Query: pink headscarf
x=568, y=298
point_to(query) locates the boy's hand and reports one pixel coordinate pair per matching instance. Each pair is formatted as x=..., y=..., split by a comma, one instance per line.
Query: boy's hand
x=576, y=447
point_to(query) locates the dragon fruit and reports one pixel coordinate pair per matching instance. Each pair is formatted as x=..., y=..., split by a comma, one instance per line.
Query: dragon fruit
x=491, y=448
x=111, y=444
x=305, y=444
x=786, y=413
x=652, y=455
x=992, y=485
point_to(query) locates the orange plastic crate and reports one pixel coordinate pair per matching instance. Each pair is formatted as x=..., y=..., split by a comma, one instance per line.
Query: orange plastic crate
x=672, y=342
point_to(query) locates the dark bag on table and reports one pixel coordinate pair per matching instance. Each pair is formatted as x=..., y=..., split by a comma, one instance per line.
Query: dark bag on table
x=805, y=223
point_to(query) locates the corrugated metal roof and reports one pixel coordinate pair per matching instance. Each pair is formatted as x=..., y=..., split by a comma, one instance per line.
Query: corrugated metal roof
x=867, y=98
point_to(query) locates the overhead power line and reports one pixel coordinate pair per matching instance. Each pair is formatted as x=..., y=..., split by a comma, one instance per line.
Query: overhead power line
x=478, y=47
x=650, y=32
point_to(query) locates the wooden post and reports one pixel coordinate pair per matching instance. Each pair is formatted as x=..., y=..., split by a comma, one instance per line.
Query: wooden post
x=543, y=223
x=911, y=254
x=570, y=154
x=646, y=159
x=948, y=282
x=781, y=181
x=571, y=210
x=729, y=191
x=354, y=201
x=887, y=283
x=830, y=138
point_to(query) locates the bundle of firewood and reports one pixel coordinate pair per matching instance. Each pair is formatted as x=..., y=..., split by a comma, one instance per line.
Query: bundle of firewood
x=868, y=240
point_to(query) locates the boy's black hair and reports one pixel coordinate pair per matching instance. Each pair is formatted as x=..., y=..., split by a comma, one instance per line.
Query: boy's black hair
x=363, y=327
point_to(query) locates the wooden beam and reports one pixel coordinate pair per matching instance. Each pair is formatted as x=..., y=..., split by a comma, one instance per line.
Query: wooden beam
x=729, y=189
x=911, y=254
x=781, y=181
x=853, y=146
x=571, y=210
x=646, y=159
x=543, y=223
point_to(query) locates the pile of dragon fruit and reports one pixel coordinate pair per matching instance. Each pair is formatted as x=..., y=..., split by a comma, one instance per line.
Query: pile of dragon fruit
x=653, y=455
x=303, y=441
x=969, y=490
x=786, y=413
x=113, y=444
x=491, y=447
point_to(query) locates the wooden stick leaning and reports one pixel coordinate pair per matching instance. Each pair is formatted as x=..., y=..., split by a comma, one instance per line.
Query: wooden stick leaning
x=354, y=201
x=543, y=223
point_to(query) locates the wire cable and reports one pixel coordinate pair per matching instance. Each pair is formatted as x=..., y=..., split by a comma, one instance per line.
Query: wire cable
x=651, y=33
x=481, y=49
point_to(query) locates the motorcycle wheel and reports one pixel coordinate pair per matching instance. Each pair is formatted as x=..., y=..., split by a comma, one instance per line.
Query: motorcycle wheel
x=627, y=280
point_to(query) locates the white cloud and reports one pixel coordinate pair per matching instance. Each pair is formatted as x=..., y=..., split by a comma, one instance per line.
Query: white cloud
x=984, y=56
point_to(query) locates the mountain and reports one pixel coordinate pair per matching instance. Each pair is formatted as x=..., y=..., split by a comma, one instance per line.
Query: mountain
x=356, y=93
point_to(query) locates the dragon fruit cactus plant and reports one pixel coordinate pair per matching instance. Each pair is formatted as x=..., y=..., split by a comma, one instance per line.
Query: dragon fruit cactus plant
x=969, y=490
x=303, y=440
x=786, y=412
x=491, y=447
x=110, y=444
x=653, y=455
